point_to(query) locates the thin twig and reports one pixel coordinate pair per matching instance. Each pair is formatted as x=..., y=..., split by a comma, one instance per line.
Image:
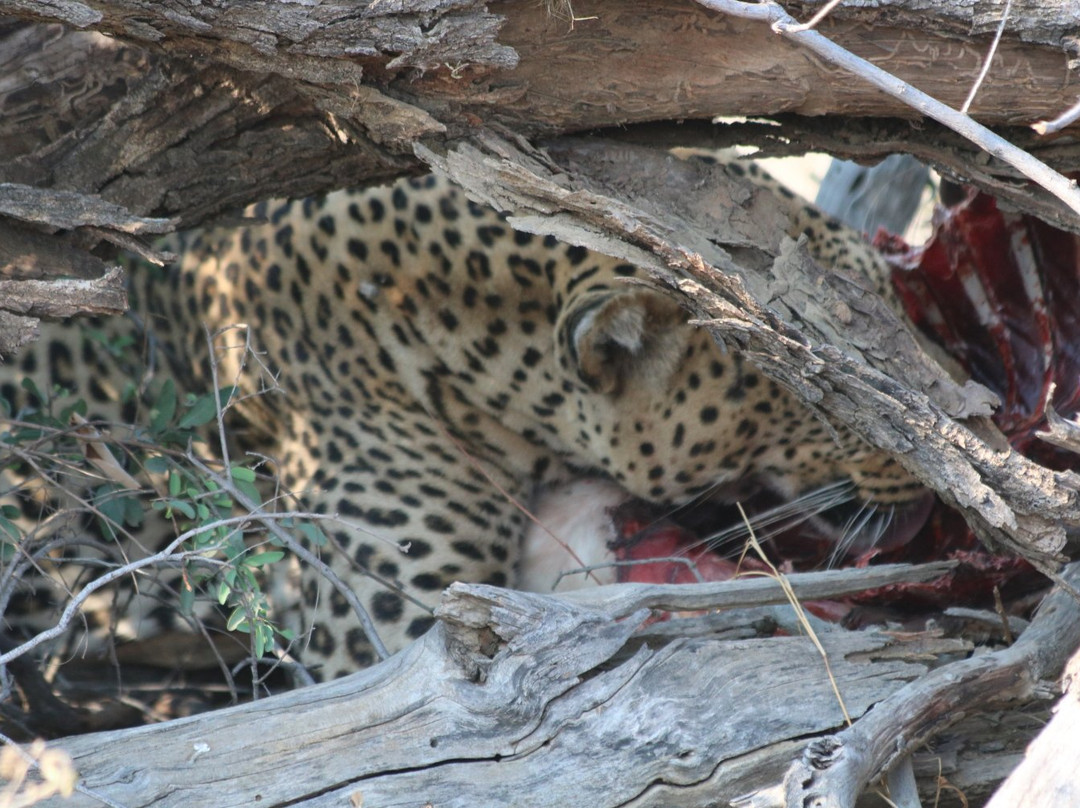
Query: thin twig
x=1060, y=122
x=219, y=409
x=989, y=58
x=270, y=520
x=168, y=555
x=822, y=13
x=785, y=25
x=800, y=613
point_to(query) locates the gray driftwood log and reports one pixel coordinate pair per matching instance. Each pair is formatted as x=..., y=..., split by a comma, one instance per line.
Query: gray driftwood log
x=522, y=699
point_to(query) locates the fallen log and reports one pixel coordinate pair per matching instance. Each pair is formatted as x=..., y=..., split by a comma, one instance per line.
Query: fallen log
x=518, y=697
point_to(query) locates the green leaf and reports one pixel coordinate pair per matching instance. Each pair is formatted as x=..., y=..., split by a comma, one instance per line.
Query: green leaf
x=264, y=638
x=204, y=408
x=259, y=642
x=180, y=505
x=249, y=491
x=79, y=407
x=164, y=409
x=314, y=533
x=10, y=528
x=117, y=506
x=236, y=548
x=156, y=465
x=262, y=559
x=243, y=474
x=223, y=592
x=111, y=507
x=238, y=620
x=175, y=482
x=134, y=511
x=204, y=539
x=187, y=598
x=30, y=387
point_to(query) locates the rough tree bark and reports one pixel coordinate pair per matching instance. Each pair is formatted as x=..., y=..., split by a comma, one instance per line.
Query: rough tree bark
x=521, y=699
x=197, y=114
x=185, y=111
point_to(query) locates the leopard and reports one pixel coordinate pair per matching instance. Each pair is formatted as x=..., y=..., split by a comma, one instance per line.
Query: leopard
x=435, y=371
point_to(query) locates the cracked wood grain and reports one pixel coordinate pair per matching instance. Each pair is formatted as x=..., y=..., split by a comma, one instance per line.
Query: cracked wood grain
x=596, y=196
x=511, y=694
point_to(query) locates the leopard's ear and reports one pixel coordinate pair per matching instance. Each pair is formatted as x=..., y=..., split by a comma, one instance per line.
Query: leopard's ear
x=612, y=338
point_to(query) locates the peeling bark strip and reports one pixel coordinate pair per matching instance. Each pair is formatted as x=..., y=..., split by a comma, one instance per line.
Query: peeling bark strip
x=68, y=210
x=66, y=298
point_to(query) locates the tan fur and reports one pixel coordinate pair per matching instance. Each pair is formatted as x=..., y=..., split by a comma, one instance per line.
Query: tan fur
x=430, y=357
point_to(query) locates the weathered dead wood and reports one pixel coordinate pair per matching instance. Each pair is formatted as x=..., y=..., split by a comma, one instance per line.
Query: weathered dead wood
x=516, y=698
x=211, y=106
x=820, y=334
x=66, y=298
x=1047, y=778
x=179, y=136
x=55, y=277
x=16, y=331
x=68, y=210
x=219, y=112
x=622, y=600
x=329, y=43
x=834, y=770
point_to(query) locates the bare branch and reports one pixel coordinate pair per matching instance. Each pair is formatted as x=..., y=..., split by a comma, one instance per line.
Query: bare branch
x=785, y=25
x=622, y=600
x=1066, y=118
x=66, y=298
